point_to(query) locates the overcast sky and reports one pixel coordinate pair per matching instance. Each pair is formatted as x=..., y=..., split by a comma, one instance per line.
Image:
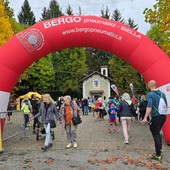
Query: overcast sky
x=128, y=8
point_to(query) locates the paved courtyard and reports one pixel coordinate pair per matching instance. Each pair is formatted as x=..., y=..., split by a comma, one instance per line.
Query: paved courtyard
x=97, y=150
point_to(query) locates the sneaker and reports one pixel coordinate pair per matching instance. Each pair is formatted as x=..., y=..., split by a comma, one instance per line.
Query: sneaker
x=161, y=152
x=50, y=145
x=115, y=131
x=29, y=124
x=34, y=132
x=27, y=128
x=44, y=148
x=155, y=157
x=69, y=145
x=126, y=142
x=109, y=131
x=75, y=144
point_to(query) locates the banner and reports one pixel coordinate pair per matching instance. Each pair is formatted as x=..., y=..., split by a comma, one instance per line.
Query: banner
x=115, y=89
x=131, y=88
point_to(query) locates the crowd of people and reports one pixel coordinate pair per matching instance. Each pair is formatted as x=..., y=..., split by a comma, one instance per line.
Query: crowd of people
x=46, y=110
x=144, y=109
x=119, y=110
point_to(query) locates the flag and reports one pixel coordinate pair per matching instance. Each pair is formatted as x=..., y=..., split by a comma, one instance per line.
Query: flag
x=132, y=88
x=114, y=88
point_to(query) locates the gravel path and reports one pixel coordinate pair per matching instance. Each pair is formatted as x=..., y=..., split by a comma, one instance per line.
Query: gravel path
x=97, y=150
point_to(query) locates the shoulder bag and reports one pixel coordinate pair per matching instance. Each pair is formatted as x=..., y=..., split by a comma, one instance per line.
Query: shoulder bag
x=76, y=119
x=52, y=124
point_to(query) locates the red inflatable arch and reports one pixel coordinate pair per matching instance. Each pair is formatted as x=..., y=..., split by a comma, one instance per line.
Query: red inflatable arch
x=56, y=34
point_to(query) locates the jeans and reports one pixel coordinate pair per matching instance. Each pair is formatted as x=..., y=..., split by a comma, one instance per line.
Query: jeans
x=71, y=133
x=86, y=111
x=155, y=127
x=126, y=123
x=48, y=138
x=26, y=120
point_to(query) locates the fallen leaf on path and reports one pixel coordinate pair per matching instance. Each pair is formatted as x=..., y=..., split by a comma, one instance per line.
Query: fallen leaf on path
x=148, y=165
x=49, y=161
x=91, y=161
x=157, y=166
x=104, y=168
x=27, y=161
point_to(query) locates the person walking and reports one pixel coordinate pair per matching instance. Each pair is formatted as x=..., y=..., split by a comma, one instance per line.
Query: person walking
x=11, y=106
x=29, y=103
x=26, y=112
x=126, y=109
x=34, y=104
x=67, y=111
x=86, y=106
x=157, y=120
x=48, y=112
x=97, y=105
x=112, y=117
x=142, y=107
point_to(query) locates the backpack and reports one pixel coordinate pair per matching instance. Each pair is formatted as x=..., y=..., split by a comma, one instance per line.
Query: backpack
x=162, y=107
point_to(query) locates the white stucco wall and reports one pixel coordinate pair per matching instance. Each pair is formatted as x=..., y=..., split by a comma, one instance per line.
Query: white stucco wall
x=103, y=84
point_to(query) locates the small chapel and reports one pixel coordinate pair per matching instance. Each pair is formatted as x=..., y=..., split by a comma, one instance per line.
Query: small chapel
x=97, y=84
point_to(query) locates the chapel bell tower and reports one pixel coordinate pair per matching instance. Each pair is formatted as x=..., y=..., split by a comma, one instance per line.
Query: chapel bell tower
x=104, y=70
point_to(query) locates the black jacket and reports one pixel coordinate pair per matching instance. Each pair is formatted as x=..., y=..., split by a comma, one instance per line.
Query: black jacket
x=126, y=109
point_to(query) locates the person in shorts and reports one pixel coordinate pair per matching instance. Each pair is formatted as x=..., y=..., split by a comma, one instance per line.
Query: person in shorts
x=112, y=117
x=97, y=105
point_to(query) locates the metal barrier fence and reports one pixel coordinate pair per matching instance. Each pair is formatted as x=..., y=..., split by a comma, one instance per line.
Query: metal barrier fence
x=13, y=126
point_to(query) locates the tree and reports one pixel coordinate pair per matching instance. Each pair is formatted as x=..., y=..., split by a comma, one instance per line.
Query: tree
x=123, y=74
x=14, y=24
x=70, y=66
x=26, y=16
x=44, y=14
x=159, y=18
x=95, y=59
x=159, y=15
x=53, y=11
x=116, y=15
x=5, y=26
x=69, y=10
x=80, y=11
x=130, y=22
x=38, y=77
x=160, y=37
x=105, y=13
x=8, y=10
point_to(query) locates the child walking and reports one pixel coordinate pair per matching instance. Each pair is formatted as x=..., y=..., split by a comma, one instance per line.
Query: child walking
x=112, y=117
x=26, y=112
